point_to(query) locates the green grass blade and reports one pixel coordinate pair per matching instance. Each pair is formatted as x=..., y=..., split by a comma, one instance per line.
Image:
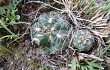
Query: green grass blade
x=3, y=24
x=104, y=50
x=8, y=36
x=90, y=67
x=93, y=64
x=74, y=63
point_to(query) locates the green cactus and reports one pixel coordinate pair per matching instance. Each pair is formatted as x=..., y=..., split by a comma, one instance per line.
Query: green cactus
x=51, y=30
x=83, y=40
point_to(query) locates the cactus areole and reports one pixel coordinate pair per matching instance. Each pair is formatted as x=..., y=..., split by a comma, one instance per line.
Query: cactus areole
x=83, y=40
x=50, y=30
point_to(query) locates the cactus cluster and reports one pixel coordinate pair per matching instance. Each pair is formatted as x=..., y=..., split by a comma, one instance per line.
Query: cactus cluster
x=83, y=40
x=50, y=30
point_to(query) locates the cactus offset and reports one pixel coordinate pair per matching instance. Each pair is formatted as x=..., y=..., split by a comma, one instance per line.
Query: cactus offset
x=83, y=40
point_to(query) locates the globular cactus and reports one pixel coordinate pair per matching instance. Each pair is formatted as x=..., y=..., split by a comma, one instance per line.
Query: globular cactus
x=83, y=40
x=50, y=30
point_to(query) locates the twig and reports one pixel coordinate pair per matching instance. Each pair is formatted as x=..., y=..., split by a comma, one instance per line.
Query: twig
x=44, y=4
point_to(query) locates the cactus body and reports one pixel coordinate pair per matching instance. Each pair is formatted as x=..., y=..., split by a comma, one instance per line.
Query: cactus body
x=55, y=26
x=83, y=40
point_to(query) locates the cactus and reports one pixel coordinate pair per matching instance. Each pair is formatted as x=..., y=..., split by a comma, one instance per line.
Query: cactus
x=50, y=30
x=83, y=40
